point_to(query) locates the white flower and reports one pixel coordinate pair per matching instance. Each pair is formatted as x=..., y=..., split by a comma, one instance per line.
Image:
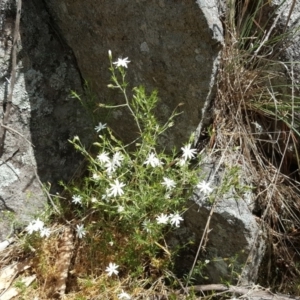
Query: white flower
x=35, y=225
x=104, y=196
x=169, y=183
x=117, y=158
x=116, y=188
x=103, y=157
x=146, y=225
x=188, y=153
x=124, y=295
x=111, y=243
x=204, y=187
x=80, y=231
x=96, y=176
x=30, y=228
x=38, y=224
x=77, y=199
x=110, y=167
x=167, y=196
x=45, y=232
x=207, y=261
x=153, y=160
x=112, y=269
x=120, y=208
x=122, y=62
x=94, y=200
x=162, y=219
x=100, y=126
x=175, y=219
x=181, y=162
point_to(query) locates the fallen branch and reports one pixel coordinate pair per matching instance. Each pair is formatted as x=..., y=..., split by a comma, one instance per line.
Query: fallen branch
x=251, y=293
x=8, y=275
x=63, y=262
x=14, y=291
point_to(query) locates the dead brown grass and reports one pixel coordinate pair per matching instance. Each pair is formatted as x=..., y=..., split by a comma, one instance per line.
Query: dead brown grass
x=264, y=143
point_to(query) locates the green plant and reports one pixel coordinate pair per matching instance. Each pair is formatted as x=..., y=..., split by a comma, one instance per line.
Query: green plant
x=19, y=284
x=89, y=102
x=197, y=272
x=132, y=196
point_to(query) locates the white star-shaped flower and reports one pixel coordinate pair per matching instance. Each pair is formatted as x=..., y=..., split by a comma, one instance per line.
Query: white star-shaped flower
x=204, y=187
x=146, y=225
x=112, y=269
x=153, y=160
x=96, y=176
x=103, y=157
x=188, y=153
x=76, y=199
x=175, y=219
x=80, y=231
x=122, y=62
x=116, y=188
x=104, y=197
x=120, y=208
x=181, y=162
x=45, y=232
x=30, y=228
x=100, y=126
x=110, y=167
x=168, y=183
x=117, y=159
x=124, y=295
x=162, y=219
x=36, y=225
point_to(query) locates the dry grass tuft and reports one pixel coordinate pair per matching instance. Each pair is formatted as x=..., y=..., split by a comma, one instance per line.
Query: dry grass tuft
x=255, y=118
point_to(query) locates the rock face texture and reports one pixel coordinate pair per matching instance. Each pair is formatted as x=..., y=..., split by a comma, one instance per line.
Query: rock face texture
x=289, y=13
x=43, y=115
x=230, y=240
x=172, y=47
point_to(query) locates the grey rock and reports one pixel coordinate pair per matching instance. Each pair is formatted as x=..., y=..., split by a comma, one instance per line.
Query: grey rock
x=289, y=21
x=234, y=245
x=177, y=58
x=43, y=116
x=172, y=47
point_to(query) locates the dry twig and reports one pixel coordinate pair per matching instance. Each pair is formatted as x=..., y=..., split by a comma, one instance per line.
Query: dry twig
x=12, y=78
